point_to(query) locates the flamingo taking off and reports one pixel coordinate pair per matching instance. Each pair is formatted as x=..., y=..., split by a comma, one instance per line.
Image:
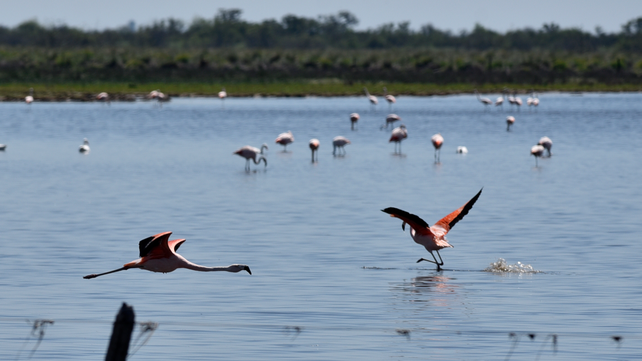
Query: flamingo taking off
x=29, y=98
x=354, y=118
x=373, y=99
x=222, y=94
x=158, y=254
x=249, y=152
x=314, y=145
x=390, y=119
x=510, y=120
x=537, y=151
x=437, y=141
x=339, y=143
x=84, y=148
x=389, y=98
x=484, y=101
x=398, y=134
x=284, y=139
x=547, y=143
x=432, y=238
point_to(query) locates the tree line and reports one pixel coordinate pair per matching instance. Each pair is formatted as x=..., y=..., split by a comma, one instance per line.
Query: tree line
x=227, y=29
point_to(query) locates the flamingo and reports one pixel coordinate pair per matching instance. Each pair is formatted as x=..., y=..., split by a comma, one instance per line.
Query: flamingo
x=535, y=101
x=249, y=152
x=29, y=98
x=284, y=139
x=103, y=97
x=339, y=142
x=500, y=101
x=484, y=101
x=354, y=118
x=389, y=98
x=511, y=98
x=517, y=100
x=510, y=120
x=432, y=238
x=158, y=254
x=390, y=119
x=222, y=94
x=437, y=141
x=547, y=143
x=314, y=145
x=84, y=148
x=462, y=150
x=373, y=99
x=398, y=134
x=537, y=151
x=3, y=147
x=153, y=94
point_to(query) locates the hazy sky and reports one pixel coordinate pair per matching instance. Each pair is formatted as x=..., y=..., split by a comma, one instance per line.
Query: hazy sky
x=455, y=15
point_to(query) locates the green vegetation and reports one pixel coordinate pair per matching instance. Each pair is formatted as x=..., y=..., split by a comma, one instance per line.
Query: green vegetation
x=303, y=56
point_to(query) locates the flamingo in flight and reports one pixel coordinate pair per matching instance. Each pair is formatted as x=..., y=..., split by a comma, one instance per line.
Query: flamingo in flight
x=84, y=148
x=389, y=98
x=432, y=238
x=510, y=120
x=398, y=134
x=373, y=99
x=354, y=118
x=158, y=254
x=437, y=141
x=249, y=152
x=314, y=145
x=339, y=143
x=29, y=98
x=284, y=139
x=484, y=101
x=390, y=119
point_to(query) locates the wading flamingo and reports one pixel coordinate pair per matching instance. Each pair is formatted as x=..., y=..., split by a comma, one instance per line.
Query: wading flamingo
x=510, y=120
x=547, y=143
x=432, y=238
x=517, y=100
x=284, y=139
x=500, y=101
x=314, y=145
x=537, y=151
x=484, y=101
x=389, y=98
x=249, y=152
x=398, y=134
x=339, y=143
x=373, y=99
x=354, y=118
x=462, y=150
x=158, y=254
x=29, y=98
x=437, y=141
x=390, y=119
x=84, y=148
x=222, y=94
x=102, y=97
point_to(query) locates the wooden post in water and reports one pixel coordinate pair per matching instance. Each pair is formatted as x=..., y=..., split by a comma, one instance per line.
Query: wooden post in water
x=121, y=334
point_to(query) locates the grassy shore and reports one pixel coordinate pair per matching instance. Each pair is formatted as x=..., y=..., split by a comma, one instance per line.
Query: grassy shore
x=330, y=87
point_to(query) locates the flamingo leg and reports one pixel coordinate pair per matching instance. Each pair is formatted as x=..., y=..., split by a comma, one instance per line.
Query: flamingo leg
x=439, y=264
x=106, y=273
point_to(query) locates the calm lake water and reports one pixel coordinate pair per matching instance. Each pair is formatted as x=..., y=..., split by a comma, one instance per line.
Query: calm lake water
x=333, y=278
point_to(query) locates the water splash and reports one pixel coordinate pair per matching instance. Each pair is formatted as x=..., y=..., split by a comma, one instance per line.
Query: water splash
x=501, y=266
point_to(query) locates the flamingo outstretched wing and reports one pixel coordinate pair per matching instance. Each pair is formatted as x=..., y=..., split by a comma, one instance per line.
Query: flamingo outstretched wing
x=419, y=225
x=155, y=246
x=174, y=244
x=448, y=222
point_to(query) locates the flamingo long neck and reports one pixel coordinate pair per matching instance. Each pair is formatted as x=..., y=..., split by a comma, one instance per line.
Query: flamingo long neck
x=259, y=160
x=196, y=267
x=263, y=147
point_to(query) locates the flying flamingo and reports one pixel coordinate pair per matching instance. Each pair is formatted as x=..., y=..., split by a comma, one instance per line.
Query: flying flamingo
x=29, y=98
x=222, y=94
x=389, y=98
x=373, y=99
x=547, y=143
x=437, y=141
x=249, y=152
x=537, y=151
x=354, y=118
x=284, y=139
x=484, y=101
x=339, y=143
x=158, y=254
x=398, y=134
x=390, y=119
x=84, y=148
x=510, y=120
x=314, y=145
x=432, y=238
